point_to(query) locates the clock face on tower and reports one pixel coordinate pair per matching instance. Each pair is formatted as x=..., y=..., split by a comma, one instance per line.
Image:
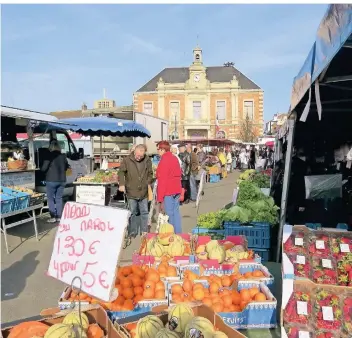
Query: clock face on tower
x=196, y=77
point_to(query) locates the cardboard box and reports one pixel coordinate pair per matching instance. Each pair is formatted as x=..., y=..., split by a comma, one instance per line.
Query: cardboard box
x=201, y=311
x=96, y=315
x=140, y=258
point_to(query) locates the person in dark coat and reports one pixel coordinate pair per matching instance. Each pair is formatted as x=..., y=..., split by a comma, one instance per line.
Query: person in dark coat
x=185, y=158
x=54, y=166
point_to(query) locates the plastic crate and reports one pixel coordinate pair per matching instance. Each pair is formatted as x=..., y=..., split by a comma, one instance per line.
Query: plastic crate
x=214, y=178
x=36, y=200
x=257, y=234
x=7, y=203
x=21, y=198
x=318, y=226
x=263, y=253
x=213, y=233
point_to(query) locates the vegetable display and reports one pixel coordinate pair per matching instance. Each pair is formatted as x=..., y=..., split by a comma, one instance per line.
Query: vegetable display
x=100, y=176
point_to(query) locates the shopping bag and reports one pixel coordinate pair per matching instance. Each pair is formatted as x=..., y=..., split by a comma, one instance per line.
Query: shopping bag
x=162, y=219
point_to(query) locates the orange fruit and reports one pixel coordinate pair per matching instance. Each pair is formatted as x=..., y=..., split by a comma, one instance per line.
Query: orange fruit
x=171, y=271
x=236, y=298
x=236, y=308
x=137, y=299
x=176, y=288
x=187, y=285
x=149, y=284
x=159, y=294
x=136, y=281
x=138, y=290
x=186, y=297
x=227, y=301
x=225, y=281
x=248, y=275
x=257, y=273
x=138, y=271
x=224, y=292
x=148, y=293
x=207, y=301
x=153, y=275
x=260, y=297
x=128, y=293
x=253, y=291
x=160, y=286
x=243, y=305
x=198, y=285
x=218, y=307
x=245, y=295
x=128, y=305
x=214, y=287
x=119, y=300
x=126, y=270
x=126, y=283
x=198, y=293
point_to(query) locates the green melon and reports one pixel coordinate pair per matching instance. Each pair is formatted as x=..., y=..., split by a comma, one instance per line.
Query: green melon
x=60, y=331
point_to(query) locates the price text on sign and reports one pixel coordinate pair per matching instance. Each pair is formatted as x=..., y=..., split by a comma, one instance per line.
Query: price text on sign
x=87, y=245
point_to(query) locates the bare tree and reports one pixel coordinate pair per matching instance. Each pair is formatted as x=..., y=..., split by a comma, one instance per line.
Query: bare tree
x=247, y=130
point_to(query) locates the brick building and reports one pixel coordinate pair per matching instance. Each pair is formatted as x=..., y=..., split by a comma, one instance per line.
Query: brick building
x=191, y=98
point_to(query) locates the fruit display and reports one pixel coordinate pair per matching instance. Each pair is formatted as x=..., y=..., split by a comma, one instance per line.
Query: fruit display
x=74, y=325
x=299, y=308
x=100, y=176
x=296, y=243
x=344, y=270
x=319, y=245
x=341, y=246
x=295, y=332
x=301, y=265
x=347, y=313
x=323, y=270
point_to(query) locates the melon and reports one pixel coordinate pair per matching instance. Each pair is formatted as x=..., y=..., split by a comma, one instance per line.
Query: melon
x=179, y=316
x=60, y=331
x=200, y=249
x=79, y=332
x=29, y=329
x=150, y=245
x=218, y=253
x=175, y=238
x=219, y=334
x=202, y=255
x=166, y=333
x=211, y=245
x=149, y=326
x=74, y=318
x=166, y=228
x=198, y=327
x=176, y=249
x=157, y=250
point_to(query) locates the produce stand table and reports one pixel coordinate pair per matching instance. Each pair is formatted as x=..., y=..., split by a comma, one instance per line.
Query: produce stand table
x=26, y=220
x=94, y=192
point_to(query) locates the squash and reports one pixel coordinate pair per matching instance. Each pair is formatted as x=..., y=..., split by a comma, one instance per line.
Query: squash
x=166, y=333
x=166, y=228
x=176, y=249
x=200, y=249
x=218, y=253
x=148, y=326
x=202, y=255
x=95, y=331
x=220, y=334
x=60, y=331
x=28, y=330
x=201, y=325
x=179, y=316
x=149, y=245
x=175, y=238
x=211, y=245
x=73, y=318
x=157, y=250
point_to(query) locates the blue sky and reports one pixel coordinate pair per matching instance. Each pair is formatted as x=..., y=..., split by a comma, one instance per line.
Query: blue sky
x=54, y=57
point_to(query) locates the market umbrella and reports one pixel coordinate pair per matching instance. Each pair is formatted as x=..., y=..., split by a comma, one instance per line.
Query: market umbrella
x=269, y=144
x=104, y=126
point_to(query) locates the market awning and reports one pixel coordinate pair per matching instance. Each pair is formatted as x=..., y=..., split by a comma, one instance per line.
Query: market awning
x=104, y=126
x=206, y=142
x=269, y=144
x=328, y=66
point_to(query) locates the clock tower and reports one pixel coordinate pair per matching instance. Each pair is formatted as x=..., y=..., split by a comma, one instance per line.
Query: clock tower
x=197, y=74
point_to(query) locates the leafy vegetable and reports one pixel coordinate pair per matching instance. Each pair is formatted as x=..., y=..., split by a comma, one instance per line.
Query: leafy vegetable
x=260, y=180
x=211, y=220
x=236, y=213
x=248, y=192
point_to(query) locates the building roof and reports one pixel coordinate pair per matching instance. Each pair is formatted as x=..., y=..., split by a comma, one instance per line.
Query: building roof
x=214, y=74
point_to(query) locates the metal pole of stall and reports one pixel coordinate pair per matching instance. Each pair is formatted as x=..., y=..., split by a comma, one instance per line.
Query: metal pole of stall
x=286, y=180
x=101, y=151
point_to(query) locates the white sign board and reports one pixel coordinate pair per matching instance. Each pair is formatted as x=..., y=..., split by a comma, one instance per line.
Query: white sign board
x=87, y=245
x=91, y=194
x=201, y=188
x=25, y=179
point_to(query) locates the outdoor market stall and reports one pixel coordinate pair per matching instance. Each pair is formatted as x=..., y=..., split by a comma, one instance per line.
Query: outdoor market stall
x=100, y=186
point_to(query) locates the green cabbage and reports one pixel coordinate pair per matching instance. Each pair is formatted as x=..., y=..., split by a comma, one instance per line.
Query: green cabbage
x=237, y=214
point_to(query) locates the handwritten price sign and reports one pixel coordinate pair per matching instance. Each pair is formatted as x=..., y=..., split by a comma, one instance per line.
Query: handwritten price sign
x=87, y=245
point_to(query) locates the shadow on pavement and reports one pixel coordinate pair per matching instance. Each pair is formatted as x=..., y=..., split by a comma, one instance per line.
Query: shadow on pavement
x=13, y=278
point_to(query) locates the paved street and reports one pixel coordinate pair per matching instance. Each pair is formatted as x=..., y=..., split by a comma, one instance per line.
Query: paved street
x=26, y=290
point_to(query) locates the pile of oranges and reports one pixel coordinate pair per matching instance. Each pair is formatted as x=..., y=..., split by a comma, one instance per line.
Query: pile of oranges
x=188, y=274
x=217, y=296
x=134, y=283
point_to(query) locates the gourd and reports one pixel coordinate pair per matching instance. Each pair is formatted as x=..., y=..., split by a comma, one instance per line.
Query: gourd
x=95, y=331
x=165, y=232
x=150, y=245
x=200, y=249
x=218, y=253
x=157, y=250
x=211, y=245
x=175, y=238
x=202, y=255
x=28, y=330
x=179, y=316
x=200, y=324
x=166, y=333
x=74, y=318
x=149, y=326
x=60, y=331
x=176, y=249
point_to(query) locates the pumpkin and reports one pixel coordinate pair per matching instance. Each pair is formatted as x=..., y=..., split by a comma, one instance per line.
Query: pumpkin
x=211, y=245
x=149, y=326
x=29, y=330
x=176, y=249
x=95, y=331
x=200, y=324
x=166, y=228
x=74, y=318
x=166, y=333
x=200, y=249
x=175, y=238
x=219, y=334
x=60, y=331
x=218, y=253
x=179, y=316
x=157, y=250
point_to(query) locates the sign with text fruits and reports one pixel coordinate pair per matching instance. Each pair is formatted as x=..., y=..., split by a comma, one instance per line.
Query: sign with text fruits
x=87, y=245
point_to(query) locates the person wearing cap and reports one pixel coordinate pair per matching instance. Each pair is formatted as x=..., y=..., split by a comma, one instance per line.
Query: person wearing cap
x=185, y=158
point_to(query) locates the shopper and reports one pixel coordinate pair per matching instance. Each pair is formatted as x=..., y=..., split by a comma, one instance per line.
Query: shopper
x=135, y=175
x=243, y=157
x=222, y=157
x=174, y=150
x=185, y=158
x=194, y=172
x=229, y=161
x=252, y=158
x=169, y=188
x=54, y=166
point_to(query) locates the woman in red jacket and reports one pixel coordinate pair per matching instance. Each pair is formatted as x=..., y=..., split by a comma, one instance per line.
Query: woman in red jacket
x=169, y=187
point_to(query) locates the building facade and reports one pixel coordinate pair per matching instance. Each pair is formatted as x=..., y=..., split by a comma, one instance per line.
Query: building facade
x=197, y=99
